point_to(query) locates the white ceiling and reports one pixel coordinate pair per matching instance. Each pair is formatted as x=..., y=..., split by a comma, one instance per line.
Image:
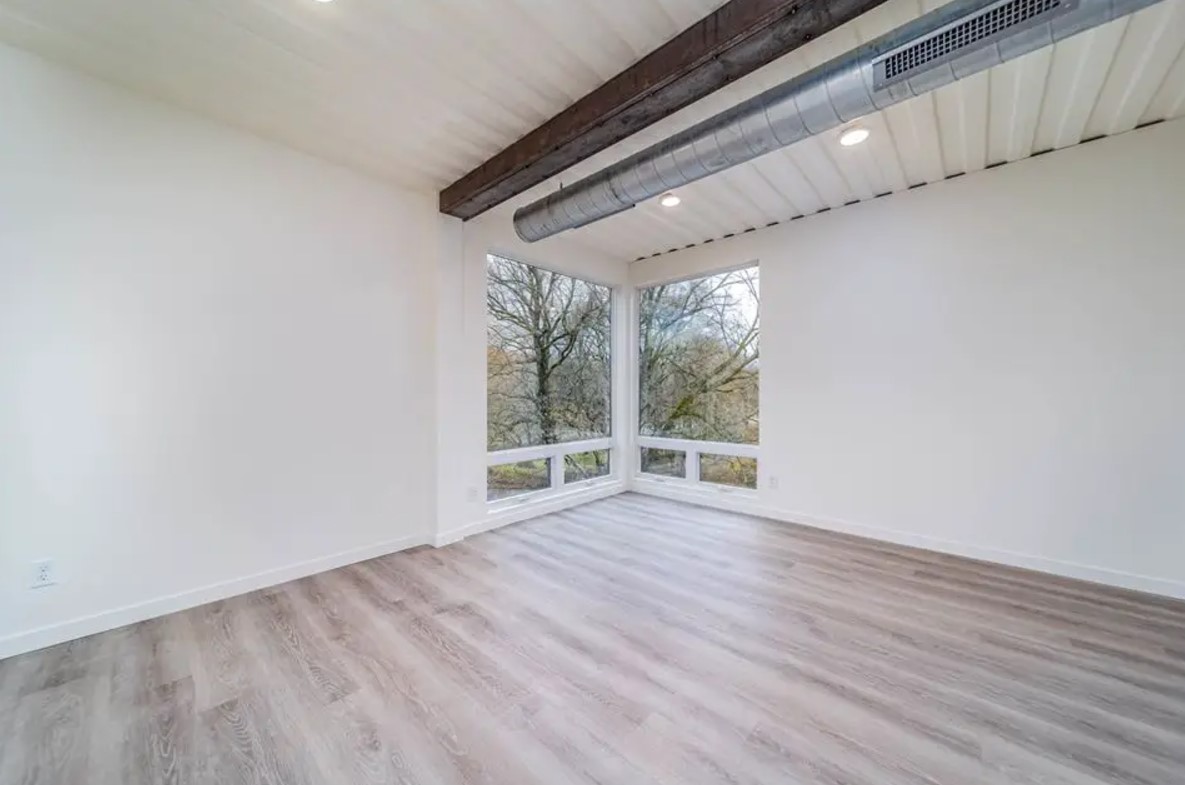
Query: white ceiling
x=1102, y=82
x=416, y=91
x=421, y=91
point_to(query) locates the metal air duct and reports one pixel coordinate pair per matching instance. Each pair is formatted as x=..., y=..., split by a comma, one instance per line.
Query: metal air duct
x=949, y=43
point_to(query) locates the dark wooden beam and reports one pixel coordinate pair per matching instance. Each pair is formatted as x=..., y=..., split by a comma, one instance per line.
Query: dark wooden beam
x=736, y=39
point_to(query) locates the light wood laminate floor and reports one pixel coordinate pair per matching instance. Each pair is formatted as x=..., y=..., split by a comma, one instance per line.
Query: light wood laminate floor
x=632, y=640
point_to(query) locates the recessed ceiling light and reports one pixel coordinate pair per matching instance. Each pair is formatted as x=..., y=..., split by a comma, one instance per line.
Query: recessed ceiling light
x=853, y=136
x=669, y=200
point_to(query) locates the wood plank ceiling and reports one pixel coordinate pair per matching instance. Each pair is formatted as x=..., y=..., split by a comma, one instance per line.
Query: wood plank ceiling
x=1107, y=81
x=419, y=93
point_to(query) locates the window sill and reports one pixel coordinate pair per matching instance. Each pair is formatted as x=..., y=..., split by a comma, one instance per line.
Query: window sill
x=498, y=506
x=532, y=505
x=695, y=487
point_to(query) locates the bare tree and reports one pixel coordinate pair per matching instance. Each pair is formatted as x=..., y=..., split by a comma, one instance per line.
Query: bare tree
x=549, y=364
x=548, y=356
x=699, y=358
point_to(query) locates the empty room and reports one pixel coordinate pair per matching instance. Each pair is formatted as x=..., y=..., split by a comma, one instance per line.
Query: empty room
x=544, y=392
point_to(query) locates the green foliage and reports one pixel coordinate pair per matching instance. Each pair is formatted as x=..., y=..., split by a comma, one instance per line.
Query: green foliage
x=668, y=463
x=586, y=465
x=511, y=479
x=728, y=470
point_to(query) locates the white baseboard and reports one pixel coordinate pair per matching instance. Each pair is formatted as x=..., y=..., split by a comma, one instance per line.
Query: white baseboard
x=31, y=640
x=749, y=504
x=531, y=509
x=39, y=638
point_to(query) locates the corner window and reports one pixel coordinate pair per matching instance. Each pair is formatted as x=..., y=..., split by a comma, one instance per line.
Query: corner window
x=548, y=375
x=699, y=369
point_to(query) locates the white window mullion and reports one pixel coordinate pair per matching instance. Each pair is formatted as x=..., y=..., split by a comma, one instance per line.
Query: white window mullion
x=517, y=454
x=557, y=470
x=713, y=448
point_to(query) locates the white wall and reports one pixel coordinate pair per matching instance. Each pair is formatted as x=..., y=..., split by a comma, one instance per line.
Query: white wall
x=216, y=358
x=461, y=502
x=992, y=365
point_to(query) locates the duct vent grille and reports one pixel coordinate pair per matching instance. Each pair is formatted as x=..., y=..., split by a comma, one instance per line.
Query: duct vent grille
x=990, y=24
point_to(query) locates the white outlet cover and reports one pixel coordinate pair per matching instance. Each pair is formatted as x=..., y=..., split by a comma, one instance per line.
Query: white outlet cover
x=43, y=574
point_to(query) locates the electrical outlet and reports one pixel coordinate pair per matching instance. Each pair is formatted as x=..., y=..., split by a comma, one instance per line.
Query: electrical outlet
x=773, y=483
x=471, y=494
x=43, y=574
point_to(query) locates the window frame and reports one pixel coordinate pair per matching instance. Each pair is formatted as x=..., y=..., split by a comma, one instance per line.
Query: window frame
x=692, y=448
x=558, y=451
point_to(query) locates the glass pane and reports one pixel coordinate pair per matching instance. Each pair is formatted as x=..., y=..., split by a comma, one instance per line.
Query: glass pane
x=586, y=465
x=698, y=358
x=728, y=470
x=512, y=479
x=547, y=356
x=669, y=463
